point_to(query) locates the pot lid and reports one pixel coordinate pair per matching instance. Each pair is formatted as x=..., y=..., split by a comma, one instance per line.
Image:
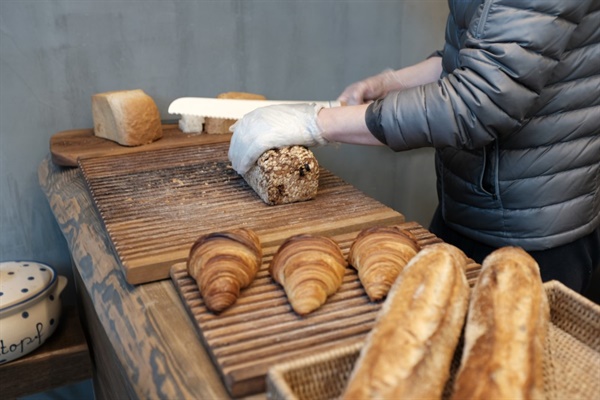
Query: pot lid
x=21, y=281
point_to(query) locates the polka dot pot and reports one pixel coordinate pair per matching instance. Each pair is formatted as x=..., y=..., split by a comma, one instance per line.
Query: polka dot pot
x=29, y=306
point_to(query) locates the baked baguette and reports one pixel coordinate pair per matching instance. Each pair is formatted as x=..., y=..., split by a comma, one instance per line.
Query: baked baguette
x=221, y=125
x=128, y=117
x=505, y=331
x=286, y=175
x=310, y=268
x=408, y=353
x=223, y=263
x=379, y=254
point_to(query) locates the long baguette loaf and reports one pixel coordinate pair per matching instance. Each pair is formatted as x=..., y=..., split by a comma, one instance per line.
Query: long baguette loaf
x=408, y=353
x=286, y=175
x=505, y=330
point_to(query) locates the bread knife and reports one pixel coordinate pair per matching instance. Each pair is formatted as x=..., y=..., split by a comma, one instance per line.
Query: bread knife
x=229, y=108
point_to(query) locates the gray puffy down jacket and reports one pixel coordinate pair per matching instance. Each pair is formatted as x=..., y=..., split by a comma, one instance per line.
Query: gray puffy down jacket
x=515, y=119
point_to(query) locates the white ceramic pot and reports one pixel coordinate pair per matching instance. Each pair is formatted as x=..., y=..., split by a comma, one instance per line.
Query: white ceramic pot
x=30, y=306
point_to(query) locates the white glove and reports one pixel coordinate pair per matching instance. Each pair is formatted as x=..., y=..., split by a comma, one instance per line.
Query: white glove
x=369, y=89
x=273, y=127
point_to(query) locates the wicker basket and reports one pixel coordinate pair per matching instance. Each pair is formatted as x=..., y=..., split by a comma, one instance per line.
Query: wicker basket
x=571, y=365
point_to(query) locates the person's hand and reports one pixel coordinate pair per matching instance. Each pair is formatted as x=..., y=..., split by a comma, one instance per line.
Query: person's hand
x=273, y=127
x=369, y=89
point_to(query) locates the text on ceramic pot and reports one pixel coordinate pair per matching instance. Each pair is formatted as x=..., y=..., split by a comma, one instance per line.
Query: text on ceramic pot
x=21, y=345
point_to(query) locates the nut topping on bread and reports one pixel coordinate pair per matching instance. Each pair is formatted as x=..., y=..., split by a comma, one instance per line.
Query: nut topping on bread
x=286, y=175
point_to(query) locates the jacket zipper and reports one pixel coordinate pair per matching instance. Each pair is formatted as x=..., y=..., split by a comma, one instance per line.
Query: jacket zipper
x=484, y=14
x=488, y=181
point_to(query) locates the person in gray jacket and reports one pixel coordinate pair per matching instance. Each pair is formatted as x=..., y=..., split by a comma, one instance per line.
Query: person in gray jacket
x=511, y=105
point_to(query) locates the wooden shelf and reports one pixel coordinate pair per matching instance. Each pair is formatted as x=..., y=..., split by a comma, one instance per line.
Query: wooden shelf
x=62, y=360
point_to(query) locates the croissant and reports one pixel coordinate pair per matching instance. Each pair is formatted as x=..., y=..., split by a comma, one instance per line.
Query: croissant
x=223, y=263
x=310, y=268
x=379, y=254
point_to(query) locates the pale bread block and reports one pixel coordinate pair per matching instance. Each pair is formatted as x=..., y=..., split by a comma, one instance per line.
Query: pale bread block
x=191, y=123
x=286, y=175
x=128, y=117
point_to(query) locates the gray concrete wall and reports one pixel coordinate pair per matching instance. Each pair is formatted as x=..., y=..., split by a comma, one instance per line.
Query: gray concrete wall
x=55, y=54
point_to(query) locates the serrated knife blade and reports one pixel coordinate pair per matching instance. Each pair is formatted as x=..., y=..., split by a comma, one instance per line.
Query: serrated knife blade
x=229, y=108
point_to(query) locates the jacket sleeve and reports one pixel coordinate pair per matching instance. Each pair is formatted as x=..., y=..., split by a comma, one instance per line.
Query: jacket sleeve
x=509, y=55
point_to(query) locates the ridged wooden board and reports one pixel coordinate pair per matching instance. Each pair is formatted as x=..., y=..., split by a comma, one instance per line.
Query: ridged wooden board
x=155, y=204
x=68, y=147
x=261, y=329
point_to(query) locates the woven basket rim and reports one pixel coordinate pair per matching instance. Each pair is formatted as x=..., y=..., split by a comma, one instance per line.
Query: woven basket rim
x=555, y=290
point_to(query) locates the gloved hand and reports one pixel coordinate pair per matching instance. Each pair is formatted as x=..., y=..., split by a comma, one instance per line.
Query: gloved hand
x=369, y=89
x=273, y=127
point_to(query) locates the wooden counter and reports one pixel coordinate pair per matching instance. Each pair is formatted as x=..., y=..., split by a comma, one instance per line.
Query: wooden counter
x=143, y=343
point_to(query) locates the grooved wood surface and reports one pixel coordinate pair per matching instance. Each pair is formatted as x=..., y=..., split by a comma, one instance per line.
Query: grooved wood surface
x=261, y=329
x=154, y=205
x=67, y=147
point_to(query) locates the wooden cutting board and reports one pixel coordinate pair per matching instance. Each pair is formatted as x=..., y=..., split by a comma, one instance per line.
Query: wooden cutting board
x=261, y=329
x=155, y=204
x=67, y=147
